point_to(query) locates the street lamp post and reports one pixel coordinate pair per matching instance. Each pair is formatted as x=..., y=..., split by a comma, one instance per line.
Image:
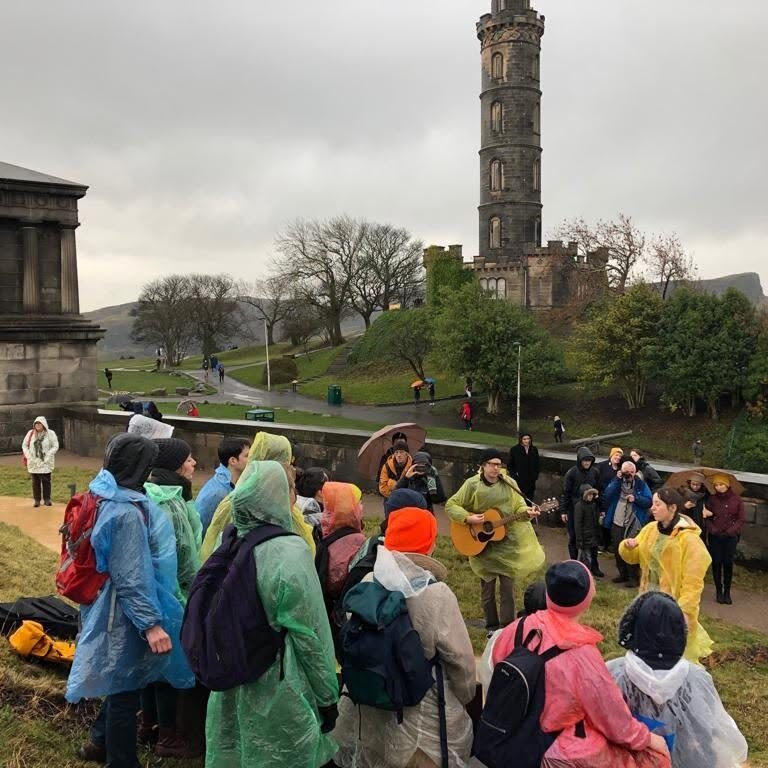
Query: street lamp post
x=266, y=347
x=519, y=357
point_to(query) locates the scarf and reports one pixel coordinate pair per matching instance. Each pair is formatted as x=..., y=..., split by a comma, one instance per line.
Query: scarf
x=38, y=441
x=168, y=477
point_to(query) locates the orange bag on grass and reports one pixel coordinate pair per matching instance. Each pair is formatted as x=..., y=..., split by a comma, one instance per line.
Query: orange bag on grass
x=30, y=639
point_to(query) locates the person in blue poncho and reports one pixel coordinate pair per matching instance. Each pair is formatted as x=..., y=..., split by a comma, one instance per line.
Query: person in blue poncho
x=233, y=459
x=130, y=634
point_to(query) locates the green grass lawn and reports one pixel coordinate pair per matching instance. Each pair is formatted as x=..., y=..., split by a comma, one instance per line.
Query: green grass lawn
x=146, y=381
x=313, y=364
x=38, y=729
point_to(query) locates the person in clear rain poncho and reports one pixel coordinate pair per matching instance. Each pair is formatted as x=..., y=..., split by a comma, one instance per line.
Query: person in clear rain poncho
x=279, y=721
x=674, y=697
x=265, y=447
x=119, y=650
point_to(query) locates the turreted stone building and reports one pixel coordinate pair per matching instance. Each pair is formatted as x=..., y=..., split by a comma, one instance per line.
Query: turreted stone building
x=512, y=261
x=47, y=349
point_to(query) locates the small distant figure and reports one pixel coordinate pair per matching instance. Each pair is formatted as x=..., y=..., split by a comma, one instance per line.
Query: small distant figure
x=206, y=367
x=431, y=392
x=468, y=387
x=697, y=448
x=192, y=410
x=221, y=373
x=108, y=374
x=214, y=363
x=294, y=385
x=465, y=414
x=557, y=423
x=416, y=394
x=157, y=364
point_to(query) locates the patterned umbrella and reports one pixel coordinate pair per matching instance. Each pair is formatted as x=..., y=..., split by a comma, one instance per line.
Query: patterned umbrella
x=369, y=456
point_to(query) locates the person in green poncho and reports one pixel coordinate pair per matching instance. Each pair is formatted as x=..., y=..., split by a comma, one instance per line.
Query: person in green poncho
x=518, y=556
x=265, y=447
x=279, y=720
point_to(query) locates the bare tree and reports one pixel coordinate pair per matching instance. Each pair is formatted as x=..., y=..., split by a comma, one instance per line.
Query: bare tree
x=668, y=261
x=302, y=323
x=625, y=244
x=214, y=309
x=271, y=298
x=319, y=258
x=163, y=314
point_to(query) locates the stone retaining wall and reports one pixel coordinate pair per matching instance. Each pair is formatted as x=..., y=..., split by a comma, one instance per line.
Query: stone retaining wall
x=86, y=432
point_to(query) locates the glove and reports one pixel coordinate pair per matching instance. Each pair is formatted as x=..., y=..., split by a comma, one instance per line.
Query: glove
x=328, y=716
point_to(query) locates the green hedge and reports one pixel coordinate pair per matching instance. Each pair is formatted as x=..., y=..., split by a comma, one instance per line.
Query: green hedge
x=282, y=371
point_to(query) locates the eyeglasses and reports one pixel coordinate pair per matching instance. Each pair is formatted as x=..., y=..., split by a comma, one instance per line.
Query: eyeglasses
x=495, y=464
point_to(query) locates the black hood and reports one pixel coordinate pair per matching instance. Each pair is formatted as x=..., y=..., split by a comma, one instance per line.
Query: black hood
x=584, y=453
x=129, y=459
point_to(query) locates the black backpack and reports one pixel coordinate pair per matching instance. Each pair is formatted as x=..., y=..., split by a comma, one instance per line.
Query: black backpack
x=226, y=635
x=509, y=733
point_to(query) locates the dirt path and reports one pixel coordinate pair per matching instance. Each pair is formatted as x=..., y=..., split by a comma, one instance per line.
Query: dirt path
x=750, y=609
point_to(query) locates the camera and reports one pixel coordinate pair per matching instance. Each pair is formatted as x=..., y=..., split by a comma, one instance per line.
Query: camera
x=627, y=475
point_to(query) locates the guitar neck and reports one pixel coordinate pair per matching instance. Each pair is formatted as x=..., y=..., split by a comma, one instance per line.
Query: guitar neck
x=512, y=518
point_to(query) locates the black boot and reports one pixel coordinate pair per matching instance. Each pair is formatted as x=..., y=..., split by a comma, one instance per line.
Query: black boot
x=727, y=578
x=717, y=577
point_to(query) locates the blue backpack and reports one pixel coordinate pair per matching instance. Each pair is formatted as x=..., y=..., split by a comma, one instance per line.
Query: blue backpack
x=226, y=635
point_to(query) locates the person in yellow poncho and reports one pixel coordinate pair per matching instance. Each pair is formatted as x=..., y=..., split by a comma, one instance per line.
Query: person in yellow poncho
x=518, y=556
x=673, y=559
x=265, y=447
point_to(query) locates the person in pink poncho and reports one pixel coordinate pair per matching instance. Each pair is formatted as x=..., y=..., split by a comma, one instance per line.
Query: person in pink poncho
x=596, y=727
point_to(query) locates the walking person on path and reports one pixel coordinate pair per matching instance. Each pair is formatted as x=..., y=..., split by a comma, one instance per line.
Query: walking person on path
x=725, y=517
x=697, y=449
x=465, y=414
x=431, y=392
x=108, y=375
x=559, y=428
x=673, y=559
x=518, y=556
x=206, y=366
x=282, y=719
x=524, y=464
x=221, y=373
x=39, y=447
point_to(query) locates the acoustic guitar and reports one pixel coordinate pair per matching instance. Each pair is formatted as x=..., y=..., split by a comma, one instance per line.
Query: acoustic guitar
x=471, y=540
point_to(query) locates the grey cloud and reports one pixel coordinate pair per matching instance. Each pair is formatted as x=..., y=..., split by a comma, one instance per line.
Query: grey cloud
x=203, y=127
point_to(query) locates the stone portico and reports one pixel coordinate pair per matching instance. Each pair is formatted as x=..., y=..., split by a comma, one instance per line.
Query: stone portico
x=47, y=349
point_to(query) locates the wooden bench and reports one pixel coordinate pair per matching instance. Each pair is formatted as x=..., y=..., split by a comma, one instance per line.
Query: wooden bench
x=260, y=414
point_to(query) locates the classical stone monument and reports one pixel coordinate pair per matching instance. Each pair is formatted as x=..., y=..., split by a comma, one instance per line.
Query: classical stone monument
x=47, y=349
x=512, y=261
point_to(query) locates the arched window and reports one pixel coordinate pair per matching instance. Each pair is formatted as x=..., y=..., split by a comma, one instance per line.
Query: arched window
x=497, y=175
x=483, y=283
x=537, y=231
x=501, y=288
x=495, y=232
x=537, y=119
x=492, y=284
x=535, y=67
x=497, y=117
x=497, y=66
x=537, y=175
x=501, y=5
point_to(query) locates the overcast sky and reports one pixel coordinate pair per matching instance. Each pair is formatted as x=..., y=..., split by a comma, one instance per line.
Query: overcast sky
x=202, y=127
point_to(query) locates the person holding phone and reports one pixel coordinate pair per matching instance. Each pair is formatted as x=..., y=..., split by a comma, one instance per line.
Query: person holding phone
x=422, y=477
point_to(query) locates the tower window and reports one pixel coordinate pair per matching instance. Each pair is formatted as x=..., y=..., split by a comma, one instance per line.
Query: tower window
x=497, y=117
x=501, y=288
x=501, y=5
x=537, y=175
x=535, y=67
x=495, y=232
x=537, y=119
x=497, y=66
x=497, y=176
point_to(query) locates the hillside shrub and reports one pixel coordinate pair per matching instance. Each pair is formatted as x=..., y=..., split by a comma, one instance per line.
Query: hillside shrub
x=282, y=371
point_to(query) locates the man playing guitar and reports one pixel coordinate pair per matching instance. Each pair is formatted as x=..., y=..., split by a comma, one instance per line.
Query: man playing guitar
x=518, y=555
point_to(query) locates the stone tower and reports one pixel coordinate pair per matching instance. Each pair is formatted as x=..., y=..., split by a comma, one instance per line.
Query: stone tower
x=510, y=148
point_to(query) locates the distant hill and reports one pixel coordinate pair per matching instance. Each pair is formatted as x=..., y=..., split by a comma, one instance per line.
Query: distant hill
x=746, y=282
x=118, y=323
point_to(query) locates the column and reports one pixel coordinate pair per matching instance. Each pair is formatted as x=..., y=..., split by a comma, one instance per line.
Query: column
x=31, y=291
x=70, y=298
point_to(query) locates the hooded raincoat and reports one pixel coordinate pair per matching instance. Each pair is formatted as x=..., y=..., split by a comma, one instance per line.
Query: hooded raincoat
x=265, y=447
x=519, y=555
x=675, y=564
x=275, y=722
x=579, y=689
x=112, y=655
x=372, y=738
x=40, y=449
x=212, y=494
x=686, y=703
x=186, y=527
x=342, y=509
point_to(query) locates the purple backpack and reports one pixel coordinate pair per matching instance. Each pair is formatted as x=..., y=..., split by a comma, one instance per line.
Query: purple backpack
x=226, y=635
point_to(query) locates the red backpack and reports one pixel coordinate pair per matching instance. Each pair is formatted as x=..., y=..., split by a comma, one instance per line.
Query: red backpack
x=77, y=577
